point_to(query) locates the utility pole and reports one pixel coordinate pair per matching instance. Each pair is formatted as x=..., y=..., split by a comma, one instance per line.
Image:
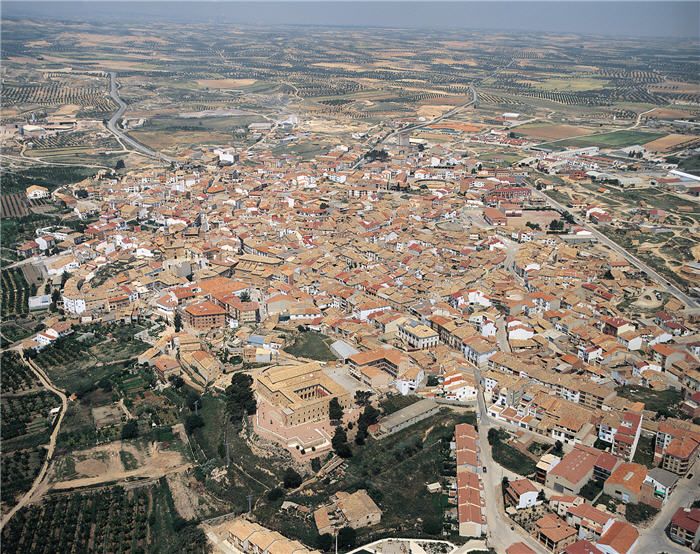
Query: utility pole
x=250, y=507
x=336, y=541
x=196, y=405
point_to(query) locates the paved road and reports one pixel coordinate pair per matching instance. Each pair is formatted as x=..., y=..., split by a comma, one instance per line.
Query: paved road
x=653, y=538
x=667, y=285
x=122, y=137
x=502, y=335
x=502, y=532
x=38, y=482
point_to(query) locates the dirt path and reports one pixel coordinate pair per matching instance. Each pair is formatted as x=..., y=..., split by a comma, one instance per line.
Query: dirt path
x=39, y=487
x=126, y=411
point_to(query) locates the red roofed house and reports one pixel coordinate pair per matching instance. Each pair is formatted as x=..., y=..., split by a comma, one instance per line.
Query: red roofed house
x=677, y=445
x=554, y=533
x=619, y=537
x=204, y=316
x=685, y=527
x=521, y=494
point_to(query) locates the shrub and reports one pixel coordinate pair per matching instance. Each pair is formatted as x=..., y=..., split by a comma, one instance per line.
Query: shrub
x=291, y=479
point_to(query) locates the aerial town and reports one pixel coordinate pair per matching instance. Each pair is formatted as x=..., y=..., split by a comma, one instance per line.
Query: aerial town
x=324, y=296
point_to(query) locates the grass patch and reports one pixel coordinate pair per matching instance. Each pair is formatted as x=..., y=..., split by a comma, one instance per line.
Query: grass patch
x=313, y=345
x=538, y=448
x=247, y=472
x=128, y=460
x=640, y=513
x=395, y=402
x=614, y=139
x=661, y=401
x=508, y=456
x=644, y=454
x=591, y=490
x=394, y=472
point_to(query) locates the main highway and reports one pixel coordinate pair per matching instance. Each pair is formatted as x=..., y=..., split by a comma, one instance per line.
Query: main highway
x=122, y=137
x=665, y=283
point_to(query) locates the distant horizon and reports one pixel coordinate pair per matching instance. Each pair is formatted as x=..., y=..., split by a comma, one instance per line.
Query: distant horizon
x=624, y=19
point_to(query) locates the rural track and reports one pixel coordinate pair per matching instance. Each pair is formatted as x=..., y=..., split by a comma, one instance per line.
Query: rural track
x=39, y=487
x=450, y=113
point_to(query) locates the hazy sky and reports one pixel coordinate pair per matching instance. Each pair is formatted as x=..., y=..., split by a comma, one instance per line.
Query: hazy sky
x=626, y=18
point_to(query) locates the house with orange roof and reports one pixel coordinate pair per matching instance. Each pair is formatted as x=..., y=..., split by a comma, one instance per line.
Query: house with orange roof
x=573, y=471
x=619, y=537
x=625, y=482
x=554, y=533
x=521, y=494
x=204, y=316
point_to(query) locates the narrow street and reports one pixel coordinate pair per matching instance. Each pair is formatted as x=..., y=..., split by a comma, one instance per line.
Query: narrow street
x=501, y=532
x=502, y=335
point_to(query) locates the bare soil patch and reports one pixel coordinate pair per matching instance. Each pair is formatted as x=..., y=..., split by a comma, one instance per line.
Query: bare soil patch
x=551, y=131
x=103, y=464
x=431, y=112
x=225, y=83
x=669, y=142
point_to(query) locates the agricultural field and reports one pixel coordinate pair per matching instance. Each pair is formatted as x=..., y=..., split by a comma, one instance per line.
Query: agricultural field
x=116, y=461
x=49, y=176
x=551, y=132
x=140, y=519
x=90, y=354
x=14, y=205
x=19, y=469
x=24, y=427
x=575, y=84
x=614, y=139
x=672, y=142
x=15, y=292
x=91, y=93
x=27, y=415
x=13, y=331
x=16, y=376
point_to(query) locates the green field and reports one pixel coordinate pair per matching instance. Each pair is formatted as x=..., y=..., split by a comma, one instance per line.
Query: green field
x=313, y=345
x=90, y=354
x=664, y=401
x=614, y=139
